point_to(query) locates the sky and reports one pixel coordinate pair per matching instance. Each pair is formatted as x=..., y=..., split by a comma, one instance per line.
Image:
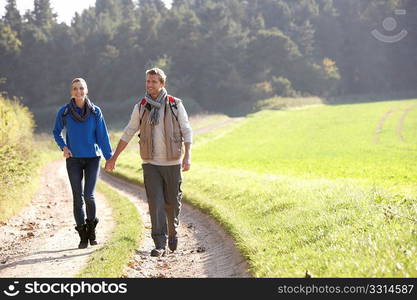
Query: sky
x=64, y=8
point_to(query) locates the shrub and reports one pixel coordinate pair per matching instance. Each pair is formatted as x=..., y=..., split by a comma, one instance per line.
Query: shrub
x=17, y=157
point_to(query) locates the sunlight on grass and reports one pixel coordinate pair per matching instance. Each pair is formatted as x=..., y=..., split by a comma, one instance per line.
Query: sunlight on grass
x=287, y=225
x=328, y=189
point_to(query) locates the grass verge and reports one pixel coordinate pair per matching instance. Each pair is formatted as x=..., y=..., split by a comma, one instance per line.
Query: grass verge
x=109, y=261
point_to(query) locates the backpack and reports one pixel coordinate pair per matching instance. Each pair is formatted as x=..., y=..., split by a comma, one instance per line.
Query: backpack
x=66, y=112
x=172, y=105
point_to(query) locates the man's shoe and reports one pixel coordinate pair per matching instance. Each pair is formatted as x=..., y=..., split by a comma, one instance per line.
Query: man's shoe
x=173, y=243
x=158, y=252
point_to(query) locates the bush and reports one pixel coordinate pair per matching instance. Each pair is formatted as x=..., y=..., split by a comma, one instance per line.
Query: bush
x=283, y=87
x=16, y=166
x=16, y=123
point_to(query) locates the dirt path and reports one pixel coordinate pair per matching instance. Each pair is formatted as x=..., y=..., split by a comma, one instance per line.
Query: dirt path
x=204, y=249
x=41, y=241
x=217, y=125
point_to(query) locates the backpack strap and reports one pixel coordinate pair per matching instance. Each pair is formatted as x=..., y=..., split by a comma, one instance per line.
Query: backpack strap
x=172, y=106
x=94, y=111
x=64, y=115
x=141, y=109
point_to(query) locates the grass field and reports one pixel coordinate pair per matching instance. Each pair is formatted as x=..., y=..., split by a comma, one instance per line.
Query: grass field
x=328, y=189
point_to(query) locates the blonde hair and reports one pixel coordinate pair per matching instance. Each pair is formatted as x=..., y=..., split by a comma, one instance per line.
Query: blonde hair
x=159, y=72
x=79, y=79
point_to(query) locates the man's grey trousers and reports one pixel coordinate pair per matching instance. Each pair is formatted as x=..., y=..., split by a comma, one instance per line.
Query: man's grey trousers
x=163, y=190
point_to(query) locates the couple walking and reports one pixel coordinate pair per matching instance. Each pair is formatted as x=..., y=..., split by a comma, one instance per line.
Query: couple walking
x=165, y=138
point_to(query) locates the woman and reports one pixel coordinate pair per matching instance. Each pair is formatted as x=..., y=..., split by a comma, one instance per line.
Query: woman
x=86, y=139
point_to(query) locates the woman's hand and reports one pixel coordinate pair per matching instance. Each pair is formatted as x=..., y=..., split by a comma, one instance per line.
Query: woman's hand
x=110, y=164
x=67, y=152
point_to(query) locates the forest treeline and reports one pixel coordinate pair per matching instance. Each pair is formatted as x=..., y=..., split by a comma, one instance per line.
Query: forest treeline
x=220, y=55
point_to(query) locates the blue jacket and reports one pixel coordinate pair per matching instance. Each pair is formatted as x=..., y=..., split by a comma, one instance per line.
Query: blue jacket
x=84, y=139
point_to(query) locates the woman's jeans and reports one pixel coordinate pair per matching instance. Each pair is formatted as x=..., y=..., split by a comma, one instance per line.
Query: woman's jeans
x=88, y=168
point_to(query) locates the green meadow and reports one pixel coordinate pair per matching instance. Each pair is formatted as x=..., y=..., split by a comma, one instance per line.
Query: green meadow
x=325, y=189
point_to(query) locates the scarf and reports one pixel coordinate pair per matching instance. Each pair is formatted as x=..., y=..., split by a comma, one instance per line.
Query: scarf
x=156, y=105
x=88, y=108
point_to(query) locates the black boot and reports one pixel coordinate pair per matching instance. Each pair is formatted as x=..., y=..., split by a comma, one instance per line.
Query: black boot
x=91, y=231
x=82, y=231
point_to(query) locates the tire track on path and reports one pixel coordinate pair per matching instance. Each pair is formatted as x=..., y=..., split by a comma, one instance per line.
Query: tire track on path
x=380, y=125
x=401, y=121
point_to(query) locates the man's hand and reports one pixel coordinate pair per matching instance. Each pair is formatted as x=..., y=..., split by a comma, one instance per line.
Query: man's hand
x=186, y=162
x=110, y=164
x=67, y=152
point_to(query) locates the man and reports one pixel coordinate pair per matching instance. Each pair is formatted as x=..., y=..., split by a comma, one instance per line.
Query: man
x=164, y=129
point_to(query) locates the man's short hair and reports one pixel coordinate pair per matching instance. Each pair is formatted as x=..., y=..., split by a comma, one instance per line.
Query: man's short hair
x=159, y=72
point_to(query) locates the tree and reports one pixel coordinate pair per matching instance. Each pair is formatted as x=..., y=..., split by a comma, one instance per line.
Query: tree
x=278, y=52
x=43, y=15
x=12, y=16
x=10, y=47
x=9, y=42
x=223, y=54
